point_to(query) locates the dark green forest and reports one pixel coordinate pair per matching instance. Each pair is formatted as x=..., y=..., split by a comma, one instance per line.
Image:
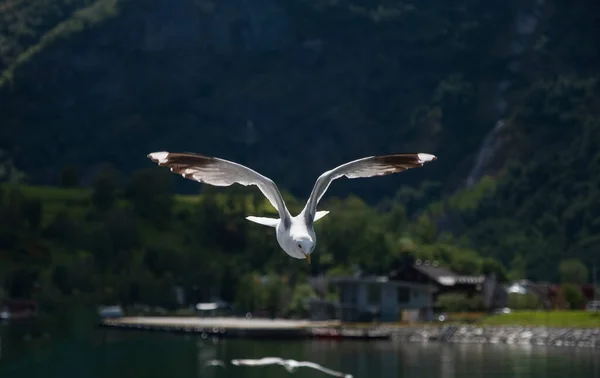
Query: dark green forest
x=293, y=88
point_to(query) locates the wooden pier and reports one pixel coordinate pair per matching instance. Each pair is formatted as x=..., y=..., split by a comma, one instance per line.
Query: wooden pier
x=246, y=328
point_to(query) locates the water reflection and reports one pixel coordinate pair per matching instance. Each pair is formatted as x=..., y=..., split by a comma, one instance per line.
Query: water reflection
x=206, y=351
x=135, y=355
x=395, y=359
x=447, y=362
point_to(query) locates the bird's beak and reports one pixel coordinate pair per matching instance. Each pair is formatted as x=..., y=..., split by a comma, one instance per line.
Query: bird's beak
x=307, y=257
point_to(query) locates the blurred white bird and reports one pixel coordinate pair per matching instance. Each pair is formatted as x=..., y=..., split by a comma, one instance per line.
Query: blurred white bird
x=289, y=365
x=214, y=363
x=295, y=235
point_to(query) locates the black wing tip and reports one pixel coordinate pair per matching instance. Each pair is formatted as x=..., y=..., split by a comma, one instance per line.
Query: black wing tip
x=408, y=159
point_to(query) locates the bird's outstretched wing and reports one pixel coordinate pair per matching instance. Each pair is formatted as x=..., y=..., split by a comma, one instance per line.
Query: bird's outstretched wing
x=220, y=172
x=365, y=167
x=214, y=363
x=259, y=362
x=323, y=369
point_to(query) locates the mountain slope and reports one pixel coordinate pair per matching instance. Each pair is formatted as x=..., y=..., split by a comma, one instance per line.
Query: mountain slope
x=312, y=83
x=294, y=88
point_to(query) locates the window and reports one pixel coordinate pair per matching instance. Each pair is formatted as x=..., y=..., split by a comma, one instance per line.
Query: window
x=403, y=295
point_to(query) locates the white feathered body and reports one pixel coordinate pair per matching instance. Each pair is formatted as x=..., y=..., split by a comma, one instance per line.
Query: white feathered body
x=297, y=232
x=295, y=235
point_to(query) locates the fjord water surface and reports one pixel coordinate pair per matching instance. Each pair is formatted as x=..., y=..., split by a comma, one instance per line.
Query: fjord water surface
x=132, y=354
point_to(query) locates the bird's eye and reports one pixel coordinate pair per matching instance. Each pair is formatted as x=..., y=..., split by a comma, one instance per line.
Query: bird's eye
x=300, y=246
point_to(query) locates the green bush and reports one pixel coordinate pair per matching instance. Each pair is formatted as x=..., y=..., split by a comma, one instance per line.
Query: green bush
x=573, y=296
x=526, y=301
x=459, y=302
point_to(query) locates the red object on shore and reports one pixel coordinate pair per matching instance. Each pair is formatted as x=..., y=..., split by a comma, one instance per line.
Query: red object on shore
x=327, y=333
x=18, y=309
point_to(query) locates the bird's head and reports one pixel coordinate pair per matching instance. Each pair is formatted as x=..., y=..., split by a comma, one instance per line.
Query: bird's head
x=304, y=245
x=290, y=365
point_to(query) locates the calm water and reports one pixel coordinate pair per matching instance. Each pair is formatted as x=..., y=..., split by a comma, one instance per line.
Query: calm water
x=114, y=354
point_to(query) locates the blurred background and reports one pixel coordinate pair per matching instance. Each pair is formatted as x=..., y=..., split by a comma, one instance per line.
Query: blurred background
x=491, y=252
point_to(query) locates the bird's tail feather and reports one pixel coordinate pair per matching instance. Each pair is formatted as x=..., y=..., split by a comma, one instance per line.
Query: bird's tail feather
x=271, y=222
x=320, y=214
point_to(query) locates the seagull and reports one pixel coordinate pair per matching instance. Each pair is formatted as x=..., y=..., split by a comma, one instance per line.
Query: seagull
x=214, y=363
x=289, y=365
x=295, y=235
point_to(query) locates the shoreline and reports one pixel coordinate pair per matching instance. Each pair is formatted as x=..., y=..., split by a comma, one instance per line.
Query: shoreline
x=505, y=334
x=306, y=329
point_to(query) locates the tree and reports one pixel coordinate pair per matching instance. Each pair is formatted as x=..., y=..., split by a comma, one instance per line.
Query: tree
x=250, y=294
x=69, y=177
x=123, y=228
x=32, y=212
x=573, y=271
x=573, y=296
x=275, y=298
x=60, y=278
x=105, y=189
x=161, y=260
x=64, y=229
x=491, y=265
x=517, y=268
x=150, y=192
x=464, y=262
x=298, y=306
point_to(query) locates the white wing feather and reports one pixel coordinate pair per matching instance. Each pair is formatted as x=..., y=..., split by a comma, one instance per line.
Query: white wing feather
x=366, y=167
x=259, y=362
x=220, y=172
x=290, y=364
x=323, y=369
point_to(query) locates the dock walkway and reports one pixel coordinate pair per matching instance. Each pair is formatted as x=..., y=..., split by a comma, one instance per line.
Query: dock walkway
x=243, y=327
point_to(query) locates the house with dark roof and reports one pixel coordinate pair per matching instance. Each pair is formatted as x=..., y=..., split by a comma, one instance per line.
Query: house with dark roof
x=379, y=298
x=446, y=281
x=365, y=298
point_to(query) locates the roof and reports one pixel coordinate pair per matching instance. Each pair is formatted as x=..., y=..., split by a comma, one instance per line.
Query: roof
x=209, y=306
x=445, y=276
x=516, y=288
x=381, y=280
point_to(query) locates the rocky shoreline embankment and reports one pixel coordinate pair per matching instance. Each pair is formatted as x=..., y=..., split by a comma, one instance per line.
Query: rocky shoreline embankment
x=543, y=336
